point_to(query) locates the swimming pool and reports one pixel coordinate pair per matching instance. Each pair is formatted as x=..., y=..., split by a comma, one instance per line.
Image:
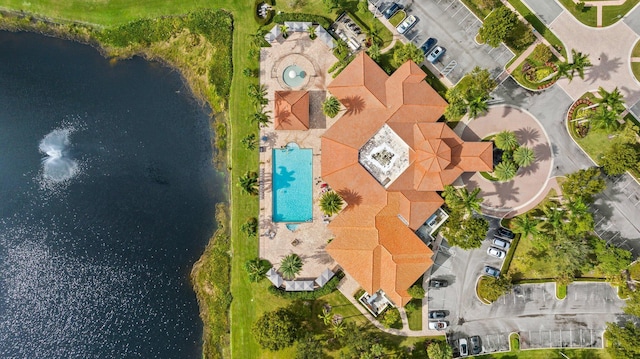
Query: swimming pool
x=292, y=184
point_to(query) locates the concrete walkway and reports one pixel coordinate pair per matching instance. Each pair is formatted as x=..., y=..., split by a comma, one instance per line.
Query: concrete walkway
x=599, y=5
x=348, y=287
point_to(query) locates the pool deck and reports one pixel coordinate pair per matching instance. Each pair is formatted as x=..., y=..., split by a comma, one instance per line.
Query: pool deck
x=310, y=239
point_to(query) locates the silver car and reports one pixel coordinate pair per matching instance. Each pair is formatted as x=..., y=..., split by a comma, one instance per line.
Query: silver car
x=495, y=252
x=435, y=54
x=407, y=24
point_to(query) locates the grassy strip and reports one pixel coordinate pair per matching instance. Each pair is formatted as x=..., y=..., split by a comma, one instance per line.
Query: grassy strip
x=481, y=289
x=210, y=276
x=397, y=18
x=561, y=291
x=636, y=50
x=435, y=82
x=540, y=27
x=550, y=353
x=612, y=14
x=414, y=314
x=514, y=341
x=634, y=271
x=512, y=250
x=587, y=16
x=477, y=9
x=635, y=68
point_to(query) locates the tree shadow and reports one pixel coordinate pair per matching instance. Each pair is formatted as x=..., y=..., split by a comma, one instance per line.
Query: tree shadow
x=350, y=196
x=267, y=225
x=529, y=170
x=506, y=191
x=270, y=139
x=527, y=135
x=353, y=104
x=602, y=72
x=282, y=118
x=509, y=92
x=283, y=177
x=317, y=118
x=542, y=152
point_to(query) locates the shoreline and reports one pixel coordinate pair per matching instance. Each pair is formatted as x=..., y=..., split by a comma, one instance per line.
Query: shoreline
x=218, y=245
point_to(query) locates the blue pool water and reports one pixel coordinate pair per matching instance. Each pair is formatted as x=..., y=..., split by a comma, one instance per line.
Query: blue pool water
x=292, y=184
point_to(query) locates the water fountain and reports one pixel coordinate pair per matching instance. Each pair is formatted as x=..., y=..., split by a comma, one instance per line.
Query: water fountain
x=58, y=166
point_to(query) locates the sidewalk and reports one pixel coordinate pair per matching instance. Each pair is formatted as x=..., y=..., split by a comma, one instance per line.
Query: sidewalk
x=598, y=5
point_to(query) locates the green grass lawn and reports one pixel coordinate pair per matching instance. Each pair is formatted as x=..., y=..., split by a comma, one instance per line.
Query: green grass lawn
x=397, y=18
x=538, y=25
x=550, y=354
x=587, y=16
x=636, y=50
x=414, y=316
x=612, y=14
x=635, y=68
x=561, y=291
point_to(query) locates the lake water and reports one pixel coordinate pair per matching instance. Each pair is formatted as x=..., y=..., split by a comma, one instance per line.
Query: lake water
x=107, y=198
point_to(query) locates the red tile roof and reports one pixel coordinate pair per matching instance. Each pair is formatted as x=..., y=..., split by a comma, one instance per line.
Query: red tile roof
x=291, y=110
x=374, y=235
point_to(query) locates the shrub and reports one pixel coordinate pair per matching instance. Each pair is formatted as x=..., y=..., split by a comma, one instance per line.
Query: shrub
x=250, y=227
x=390, y=317
x=542, y=73
x=317, y=19
x=269, y=15
x=416, y=291
x=276, y=330
x=490, y=288
x=329, y=287
x=541, y=53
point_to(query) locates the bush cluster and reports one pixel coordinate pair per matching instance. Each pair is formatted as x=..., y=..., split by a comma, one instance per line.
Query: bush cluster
x=331, y=286
x=316, y=19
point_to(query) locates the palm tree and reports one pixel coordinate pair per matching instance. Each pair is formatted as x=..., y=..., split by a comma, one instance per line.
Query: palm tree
x=256, y=269
x=331, y=107
x=325, y=316
x=290, y=266
x=374, y=52
x=257, y=39
x=258, y=94
x=312, y=32
x=470, y=200
x=250, y=141
x=505, y=170
x=249, y=183
x=476, y=105
x=260, y=117
x=331, y=203
x=284, y=29
x=525, y=225
x=337, y=329
x=523, y=156
x=580, y=62
x=506, y=141
x=564, y=70
x=451, y=196
x=605, y=118
x=612, y=100
x=554, y=216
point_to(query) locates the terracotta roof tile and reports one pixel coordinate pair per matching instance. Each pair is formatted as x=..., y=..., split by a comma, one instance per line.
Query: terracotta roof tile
x=374, y=238
x=291, y=110
x=476, y=156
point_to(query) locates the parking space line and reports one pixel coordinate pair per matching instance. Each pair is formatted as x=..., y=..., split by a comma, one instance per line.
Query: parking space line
x=464, y=18
x=451, y=3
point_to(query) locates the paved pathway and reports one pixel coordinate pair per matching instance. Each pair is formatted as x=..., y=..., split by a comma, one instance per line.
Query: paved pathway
x=608, y=49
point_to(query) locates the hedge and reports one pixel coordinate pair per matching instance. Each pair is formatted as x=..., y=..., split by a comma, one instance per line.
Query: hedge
x=316, y=19
x=331, y=286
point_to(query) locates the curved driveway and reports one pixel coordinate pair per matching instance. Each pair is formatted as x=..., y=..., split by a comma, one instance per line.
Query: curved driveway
x=502, y=198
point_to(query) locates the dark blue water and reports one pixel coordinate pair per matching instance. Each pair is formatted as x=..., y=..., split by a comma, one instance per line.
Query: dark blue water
x=99, y=230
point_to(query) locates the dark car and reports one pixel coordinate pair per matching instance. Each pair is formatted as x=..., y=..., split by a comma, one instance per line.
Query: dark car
x=476, y=348
x=391, y=10
x=503, y=232
x=437, y=314
x=428, y=45
x=491, y=271
x=438, y=283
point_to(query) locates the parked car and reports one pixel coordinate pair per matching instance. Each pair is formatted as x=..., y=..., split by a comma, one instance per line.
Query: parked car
x=439, y=325
x=501, y=243
x=437, y=314
x=503, y=232
x=435, y=54
x=428, y=45
x=407, y=24
x=438, y=283
x=464, y=347
x=476, y=347
x=495, y=252
x=391, y=10
x=491, y=271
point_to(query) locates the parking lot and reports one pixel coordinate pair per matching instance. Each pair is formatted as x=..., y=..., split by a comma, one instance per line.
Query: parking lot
x=455, y=28
x=532, y=310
